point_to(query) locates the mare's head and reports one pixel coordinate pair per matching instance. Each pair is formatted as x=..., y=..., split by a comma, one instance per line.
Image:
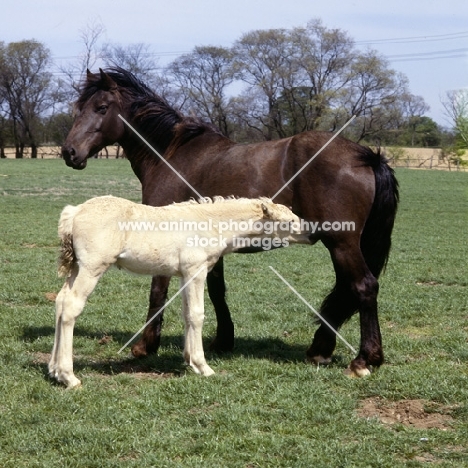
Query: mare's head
x=97, y=123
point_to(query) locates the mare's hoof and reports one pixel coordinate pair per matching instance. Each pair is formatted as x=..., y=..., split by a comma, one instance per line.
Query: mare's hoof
x=221, y=345
x=319, y=360
x=142, y=348
x=139, y=350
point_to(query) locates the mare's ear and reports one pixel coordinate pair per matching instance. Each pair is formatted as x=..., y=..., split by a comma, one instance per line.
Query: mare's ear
x=107, y=83
x=266, y=212
x=90, y=76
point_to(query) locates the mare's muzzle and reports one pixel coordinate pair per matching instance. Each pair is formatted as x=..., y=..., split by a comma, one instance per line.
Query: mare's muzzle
x=72, y=159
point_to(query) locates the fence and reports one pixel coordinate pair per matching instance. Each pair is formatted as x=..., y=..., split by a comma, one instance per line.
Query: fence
x=423, y=158
x=54, y=152
x=414, y=158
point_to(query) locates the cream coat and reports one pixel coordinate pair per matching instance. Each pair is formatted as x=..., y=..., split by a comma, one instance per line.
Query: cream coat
x=183, y=239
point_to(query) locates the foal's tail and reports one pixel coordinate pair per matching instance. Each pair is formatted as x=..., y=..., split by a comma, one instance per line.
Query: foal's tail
x=67, y=256
x=376, y=237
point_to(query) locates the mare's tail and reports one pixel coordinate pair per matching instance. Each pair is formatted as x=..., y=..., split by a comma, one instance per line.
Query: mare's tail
x=376, y=237
x=67, y=256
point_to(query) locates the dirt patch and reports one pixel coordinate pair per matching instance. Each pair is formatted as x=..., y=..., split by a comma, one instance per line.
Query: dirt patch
x=106, y=339
x=41, y=358
x=51, y=296
x=141, y=371
x=152, y=375
x=207, y=409
x=421, y=414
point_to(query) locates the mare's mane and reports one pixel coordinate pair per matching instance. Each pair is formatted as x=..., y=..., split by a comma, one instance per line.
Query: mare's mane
x=150, y=113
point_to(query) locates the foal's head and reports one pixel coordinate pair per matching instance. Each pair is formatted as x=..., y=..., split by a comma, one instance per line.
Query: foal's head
x=280, y=218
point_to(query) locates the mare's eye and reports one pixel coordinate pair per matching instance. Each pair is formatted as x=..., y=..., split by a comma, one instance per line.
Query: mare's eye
x=102, y=109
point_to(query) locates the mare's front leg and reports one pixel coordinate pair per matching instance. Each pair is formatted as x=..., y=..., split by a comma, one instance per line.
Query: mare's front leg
x=224, y=340
x=151, y=338
x=193, y=311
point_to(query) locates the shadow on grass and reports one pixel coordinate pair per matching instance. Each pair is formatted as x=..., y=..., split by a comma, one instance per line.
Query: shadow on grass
x=168, y=362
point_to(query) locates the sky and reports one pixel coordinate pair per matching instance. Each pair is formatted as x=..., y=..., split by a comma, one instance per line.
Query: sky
x=426, y=40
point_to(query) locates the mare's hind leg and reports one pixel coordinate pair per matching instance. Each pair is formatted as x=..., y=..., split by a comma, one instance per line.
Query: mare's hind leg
x=69, y=305
x=337, y=307
x=356, y=288
x=224, y=340
x=151, y=338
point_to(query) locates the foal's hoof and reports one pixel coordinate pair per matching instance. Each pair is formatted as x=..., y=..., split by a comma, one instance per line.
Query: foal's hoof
x=76, y=384
x=207, y=371
x=71, y=382
x=357, y=372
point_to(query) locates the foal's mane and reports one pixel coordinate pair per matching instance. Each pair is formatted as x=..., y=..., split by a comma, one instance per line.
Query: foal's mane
x=219, y=199
x=152, y=115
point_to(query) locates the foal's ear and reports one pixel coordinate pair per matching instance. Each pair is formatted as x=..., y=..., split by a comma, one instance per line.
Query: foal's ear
x=107, y=83
x=266, y=212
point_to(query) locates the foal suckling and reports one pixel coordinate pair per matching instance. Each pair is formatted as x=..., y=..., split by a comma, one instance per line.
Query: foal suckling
x=107, y=231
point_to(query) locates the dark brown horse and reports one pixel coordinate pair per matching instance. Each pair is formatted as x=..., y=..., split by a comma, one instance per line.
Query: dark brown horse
x=345, y=182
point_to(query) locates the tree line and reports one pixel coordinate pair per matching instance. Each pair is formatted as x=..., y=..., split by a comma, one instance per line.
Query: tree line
x=270, y=84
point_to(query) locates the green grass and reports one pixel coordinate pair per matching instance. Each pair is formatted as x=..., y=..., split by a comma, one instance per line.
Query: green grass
x=265, y=407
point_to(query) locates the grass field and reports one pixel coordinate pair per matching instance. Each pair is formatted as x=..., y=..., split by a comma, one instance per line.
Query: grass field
x=265, y=407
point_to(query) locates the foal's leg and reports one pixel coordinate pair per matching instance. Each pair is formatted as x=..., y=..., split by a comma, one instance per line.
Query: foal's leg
x=69, y=305
x=193, y=311
x=58, y=313
x=356, y=288
x=224, y=340
x=150, y=341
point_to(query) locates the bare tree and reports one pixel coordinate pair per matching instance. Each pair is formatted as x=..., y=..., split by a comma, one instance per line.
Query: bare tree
x=314, y=78
x=324, y=59
x=25, y=88
x=375, y=94
x=75, y=72
x=135, y=58
x=203, y=77
x=456, y=109
x=414, y=108
x=265, y=60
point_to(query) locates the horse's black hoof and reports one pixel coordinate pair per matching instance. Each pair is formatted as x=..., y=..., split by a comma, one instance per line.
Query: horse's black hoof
x=139, y=350
x=221, y=345
x=142, y=349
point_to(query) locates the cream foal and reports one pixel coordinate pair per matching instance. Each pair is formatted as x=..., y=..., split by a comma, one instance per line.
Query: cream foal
x=99, y=234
